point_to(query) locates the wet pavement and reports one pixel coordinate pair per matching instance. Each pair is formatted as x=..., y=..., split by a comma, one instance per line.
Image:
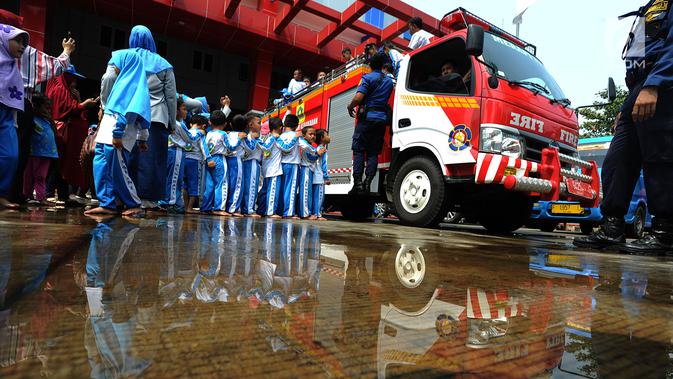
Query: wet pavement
x=215, y=297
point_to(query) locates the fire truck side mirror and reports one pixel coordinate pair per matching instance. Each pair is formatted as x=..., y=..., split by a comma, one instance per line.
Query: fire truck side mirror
x=612, y=90
x=474, y=45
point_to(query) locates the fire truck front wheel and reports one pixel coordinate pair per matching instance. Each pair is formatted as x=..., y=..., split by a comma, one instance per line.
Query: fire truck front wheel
x=420, y=193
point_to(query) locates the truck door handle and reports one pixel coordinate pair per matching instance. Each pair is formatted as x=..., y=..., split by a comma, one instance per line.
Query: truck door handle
x=404, y=123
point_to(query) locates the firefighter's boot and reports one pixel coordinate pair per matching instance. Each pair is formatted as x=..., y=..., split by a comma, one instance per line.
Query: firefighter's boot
x=610, y=234
x=658, y=242
x=358, y=187
x=368, y=184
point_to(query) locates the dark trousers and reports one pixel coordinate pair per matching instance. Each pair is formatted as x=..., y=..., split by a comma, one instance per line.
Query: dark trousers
x=367, y=145
x=635, y=146
x=148, y=169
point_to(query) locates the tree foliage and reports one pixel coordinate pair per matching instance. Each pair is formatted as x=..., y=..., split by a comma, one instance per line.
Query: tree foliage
x=598, y=122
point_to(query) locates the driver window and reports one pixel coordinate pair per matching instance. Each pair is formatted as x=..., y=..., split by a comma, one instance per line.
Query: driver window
x=444, y=69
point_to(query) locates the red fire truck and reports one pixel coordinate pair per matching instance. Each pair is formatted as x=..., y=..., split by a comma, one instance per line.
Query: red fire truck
x=488, y=145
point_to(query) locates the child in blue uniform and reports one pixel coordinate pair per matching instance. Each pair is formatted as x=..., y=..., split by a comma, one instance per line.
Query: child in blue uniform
x=217, y=184
x=251, y=166
x=320, y=176
x=126, y=119
x=288, y=144
x=13, y=42
x=272, y=171
x=235, y=165
x=178, y=142
x=196, y=154
x=42, y=151
x=309, y=156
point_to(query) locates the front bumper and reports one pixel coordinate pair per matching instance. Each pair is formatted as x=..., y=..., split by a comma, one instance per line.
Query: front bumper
x=547, y=179
x=542, y=211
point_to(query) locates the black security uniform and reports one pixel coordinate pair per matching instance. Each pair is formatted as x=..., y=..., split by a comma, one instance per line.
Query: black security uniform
x=642, y=145
x=371, y=126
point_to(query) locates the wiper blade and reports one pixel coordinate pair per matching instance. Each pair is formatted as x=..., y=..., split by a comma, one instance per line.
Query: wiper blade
x=537, y=86
x=565, y=102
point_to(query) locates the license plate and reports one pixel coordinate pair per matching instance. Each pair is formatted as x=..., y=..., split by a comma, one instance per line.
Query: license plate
x=577, y=188
x=567, y=209
x=510, y=171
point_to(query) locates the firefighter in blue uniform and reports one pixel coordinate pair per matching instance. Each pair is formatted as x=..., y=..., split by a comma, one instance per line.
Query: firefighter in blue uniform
x=643, y=137
x=373, y=117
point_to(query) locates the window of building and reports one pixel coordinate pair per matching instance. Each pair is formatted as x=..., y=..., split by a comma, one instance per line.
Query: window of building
x=120, y=41
x=445, y=69
x=197, y=61
x=244, y=72
x=208, y=63
x=162, y=48
x=105, y=36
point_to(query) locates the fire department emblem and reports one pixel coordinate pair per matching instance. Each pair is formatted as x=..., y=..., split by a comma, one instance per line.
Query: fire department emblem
x=460, y=137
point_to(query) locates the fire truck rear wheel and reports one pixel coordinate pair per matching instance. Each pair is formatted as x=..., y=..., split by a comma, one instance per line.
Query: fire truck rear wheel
x=505, y=213
x=420, y=193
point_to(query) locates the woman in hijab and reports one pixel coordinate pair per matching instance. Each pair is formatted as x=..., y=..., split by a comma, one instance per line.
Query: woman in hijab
x=69, y=114
x=13, y=42
x=149, y=168
x=126, y=119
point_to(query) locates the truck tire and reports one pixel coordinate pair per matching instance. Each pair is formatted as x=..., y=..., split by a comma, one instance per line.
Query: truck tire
x=637, y=228
x=505, y=213
x=419, y=193
x=357, y=209
x=587, y=228
x=412, y=277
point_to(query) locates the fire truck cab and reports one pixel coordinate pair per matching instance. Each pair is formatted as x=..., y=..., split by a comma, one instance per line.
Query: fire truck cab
x=479, y=126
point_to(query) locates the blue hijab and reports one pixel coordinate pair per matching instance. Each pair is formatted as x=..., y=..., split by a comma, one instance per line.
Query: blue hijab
x=142, y=42
x=129, y=94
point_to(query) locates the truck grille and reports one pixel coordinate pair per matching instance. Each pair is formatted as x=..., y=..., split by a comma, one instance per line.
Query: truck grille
x=534, y=147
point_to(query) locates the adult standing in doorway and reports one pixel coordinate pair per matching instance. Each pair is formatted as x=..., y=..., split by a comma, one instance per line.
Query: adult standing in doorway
x=148, y=168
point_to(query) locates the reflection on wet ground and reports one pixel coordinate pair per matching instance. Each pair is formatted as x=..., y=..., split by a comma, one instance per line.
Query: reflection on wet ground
x=209, y=297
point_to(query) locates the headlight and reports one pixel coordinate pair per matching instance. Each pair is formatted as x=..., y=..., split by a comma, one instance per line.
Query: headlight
x=497, y=141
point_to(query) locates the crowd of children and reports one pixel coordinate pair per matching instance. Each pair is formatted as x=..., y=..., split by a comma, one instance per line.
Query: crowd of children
x=221, y=166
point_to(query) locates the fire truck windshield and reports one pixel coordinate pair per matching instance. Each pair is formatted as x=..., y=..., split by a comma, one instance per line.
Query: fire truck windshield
x=518, y=66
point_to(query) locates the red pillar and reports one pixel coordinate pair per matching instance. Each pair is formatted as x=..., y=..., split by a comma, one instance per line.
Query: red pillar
x=34, y=13
x=261, y=86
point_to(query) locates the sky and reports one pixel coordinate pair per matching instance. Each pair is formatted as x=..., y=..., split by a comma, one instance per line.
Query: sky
x=579, y=42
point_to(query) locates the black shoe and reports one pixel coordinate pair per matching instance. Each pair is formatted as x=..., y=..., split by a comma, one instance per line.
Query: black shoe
x=610, y=234
x=658, y=242
x=358, y=186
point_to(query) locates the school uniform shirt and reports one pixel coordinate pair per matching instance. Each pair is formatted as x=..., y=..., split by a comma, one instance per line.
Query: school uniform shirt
x=197, y=150
x=233, y=144
x=419, y=39
x=271, y=164
x=215, y=140
x=42, y=140
x=252, y=150
x=321, y=175
x=181, y=137
x=288, y=144
x=295, y=87
x=130, y=133
x=308, y=154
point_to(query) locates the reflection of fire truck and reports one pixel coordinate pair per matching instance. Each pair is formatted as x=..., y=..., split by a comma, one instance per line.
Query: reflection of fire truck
x=488, y=145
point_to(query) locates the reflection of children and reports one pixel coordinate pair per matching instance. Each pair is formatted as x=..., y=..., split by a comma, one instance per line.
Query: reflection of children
x=272, y=171
x=251, y=166
x=287, y=142
x=126, y=119
x=196, y=154
x=13, y=42
x=320, y=177
x=42, y=151
x=309, y=156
